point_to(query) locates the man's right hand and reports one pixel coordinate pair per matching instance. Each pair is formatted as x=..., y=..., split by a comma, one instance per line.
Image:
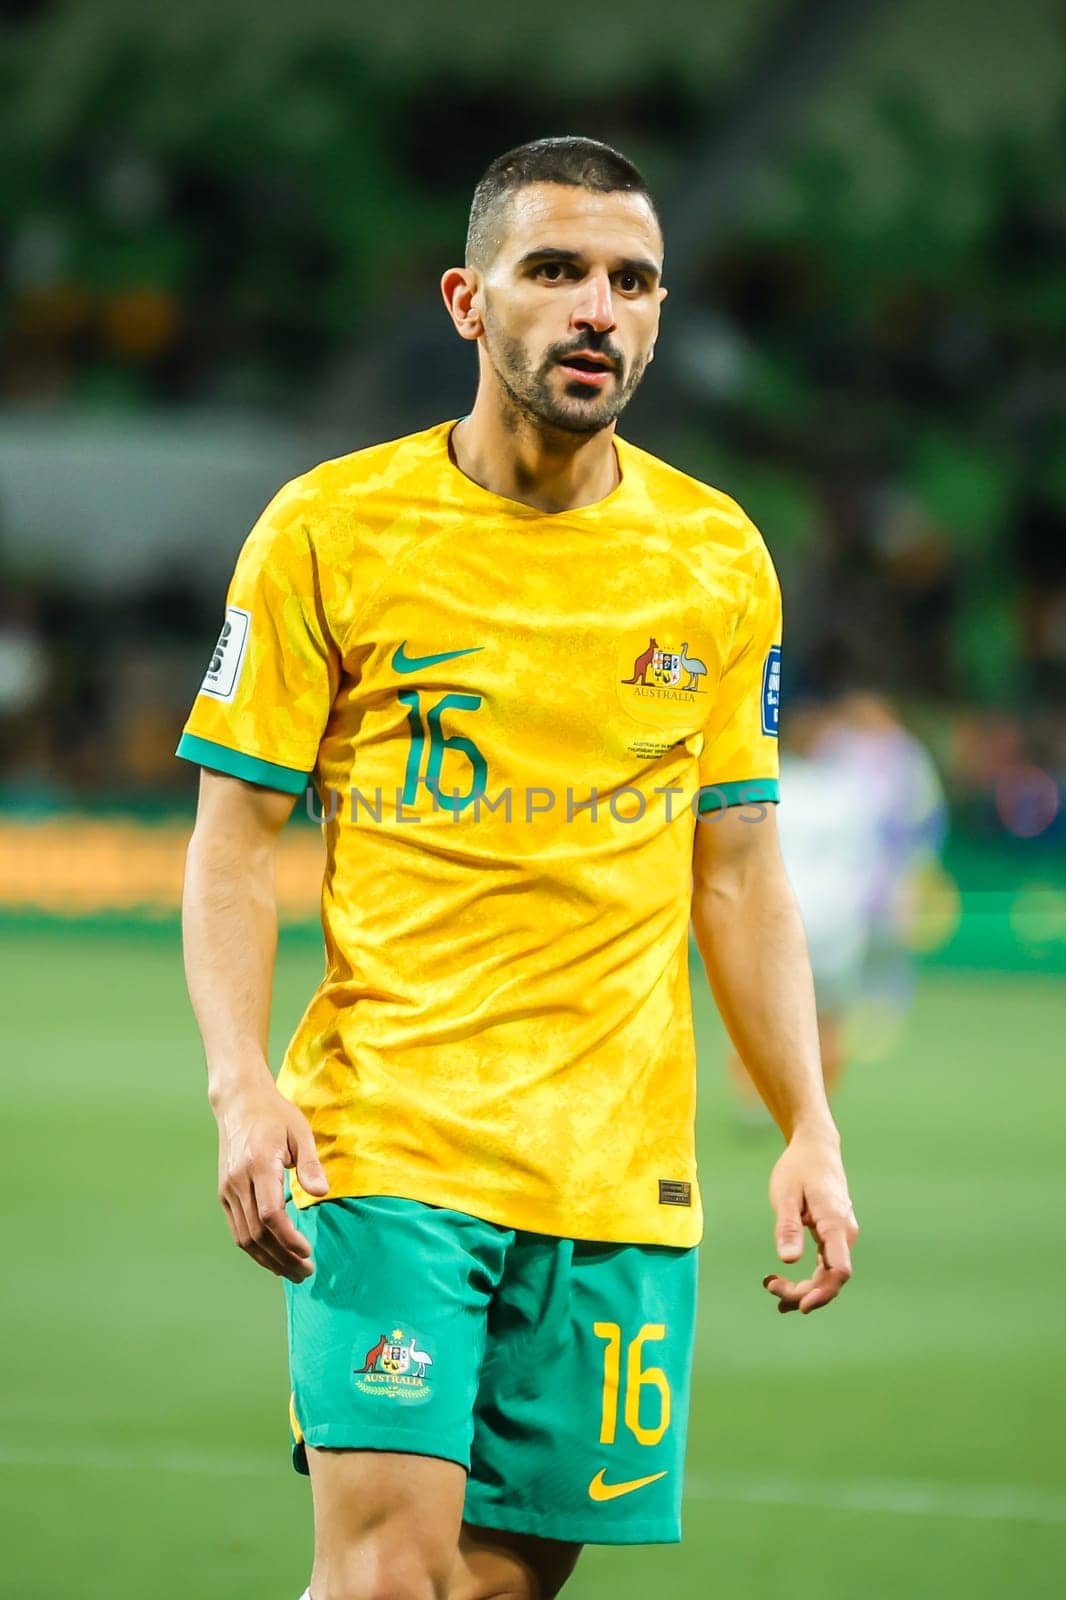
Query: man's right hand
x=260, y=1134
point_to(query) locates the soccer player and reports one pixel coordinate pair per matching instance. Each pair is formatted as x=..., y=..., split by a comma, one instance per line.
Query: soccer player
x=532, y=673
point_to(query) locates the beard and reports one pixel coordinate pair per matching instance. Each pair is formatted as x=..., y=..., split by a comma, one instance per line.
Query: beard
x=572, y=407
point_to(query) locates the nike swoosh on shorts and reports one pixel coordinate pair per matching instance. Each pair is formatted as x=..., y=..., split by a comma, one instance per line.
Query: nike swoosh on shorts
x=598, y=1490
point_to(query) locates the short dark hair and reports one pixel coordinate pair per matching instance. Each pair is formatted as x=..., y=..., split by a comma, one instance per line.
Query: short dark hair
x=581, y=163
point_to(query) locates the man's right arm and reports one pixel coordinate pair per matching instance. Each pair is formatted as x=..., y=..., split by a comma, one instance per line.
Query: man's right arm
x=229, y=922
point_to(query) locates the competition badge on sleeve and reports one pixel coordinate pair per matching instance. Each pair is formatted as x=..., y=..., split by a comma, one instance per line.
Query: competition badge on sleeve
x=227, y=658
x=771, y=691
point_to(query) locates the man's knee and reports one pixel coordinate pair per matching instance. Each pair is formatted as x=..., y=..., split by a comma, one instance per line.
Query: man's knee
x=517, y=1589
x=386, y=1525
x=374, y=1574
x=495, y=1565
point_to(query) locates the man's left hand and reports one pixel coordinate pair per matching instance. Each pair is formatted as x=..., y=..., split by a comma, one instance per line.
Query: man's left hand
x=808, y=1189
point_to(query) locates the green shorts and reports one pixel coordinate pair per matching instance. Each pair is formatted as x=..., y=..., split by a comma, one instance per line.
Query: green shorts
x=556, y=1371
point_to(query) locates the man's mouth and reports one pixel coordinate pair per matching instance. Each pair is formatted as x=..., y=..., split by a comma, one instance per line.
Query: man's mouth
x=588, y=368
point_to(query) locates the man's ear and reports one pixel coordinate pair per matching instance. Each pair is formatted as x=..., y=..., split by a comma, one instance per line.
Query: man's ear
x=460, y=287
x=651, y=353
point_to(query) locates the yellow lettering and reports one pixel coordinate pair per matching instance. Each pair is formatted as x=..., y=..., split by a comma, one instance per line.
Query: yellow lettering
x=612, y=1363
x=638, y=1378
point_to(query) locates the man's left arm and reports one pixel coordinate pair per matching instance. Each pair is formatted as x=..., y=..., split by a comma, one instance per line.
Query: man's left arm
x=754, y=949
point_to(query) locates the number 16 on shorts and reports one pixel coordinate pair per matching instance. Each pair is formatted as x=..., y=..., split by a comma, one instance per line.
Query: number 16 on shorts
x=636, y=1413
x=638, y=1378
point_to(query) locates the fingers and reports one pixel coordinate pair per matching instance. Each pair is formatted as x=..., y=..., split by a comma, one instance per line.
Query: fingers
x=259, y=1136
x=276, y=1232
x=806, y=1295
x=242, y=1234
x=809, y=1191
x=254, y=1207
x=788, y=1234
x=305, y=1157
x=834, y=1263
x=835, y=1252
x=809, y=1293
x=787, y=1293
x=826, y=1286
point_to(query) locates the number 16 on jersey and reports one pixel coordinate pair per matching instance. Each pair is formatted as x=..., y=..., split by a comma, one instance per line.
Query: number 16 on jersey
x=439, y=742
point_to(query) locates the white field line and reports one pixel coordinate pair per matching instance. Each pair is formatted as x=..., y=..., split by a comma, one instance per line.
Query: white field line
x=193, y=1462
x=912, y=1497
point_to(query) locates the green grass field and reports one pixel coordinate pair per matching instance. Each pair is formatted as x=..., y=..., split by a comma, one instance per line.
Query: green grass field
x=905, y=1442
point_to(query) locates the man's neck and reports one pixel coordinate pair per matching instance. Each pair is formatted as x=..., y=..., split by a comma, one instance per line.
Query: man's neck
x=549, y=470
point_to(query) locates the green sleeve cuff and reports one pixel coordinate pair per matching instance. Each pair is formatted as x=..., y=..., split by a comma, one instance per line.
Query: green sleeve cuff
x=235, y=764
x=747, y=792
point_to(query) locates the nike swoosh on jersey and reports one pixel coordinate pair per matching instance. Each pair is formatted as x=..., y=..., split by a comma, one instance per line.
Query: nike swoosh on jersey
x=405, y=663
x=598, y=1490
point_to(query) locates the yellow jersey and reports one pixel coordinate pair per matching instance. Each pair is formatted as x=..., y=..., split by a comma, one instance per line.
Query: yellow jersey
x=513, y=722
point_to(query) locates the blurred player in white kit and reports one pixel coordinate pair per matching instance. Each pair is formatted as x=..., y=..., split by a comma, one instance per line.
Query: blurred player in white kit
x=864, y=814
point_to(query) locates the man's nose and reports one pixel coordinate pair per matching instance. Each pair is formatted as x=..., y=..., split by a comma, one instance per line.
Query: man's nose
x=594, y=307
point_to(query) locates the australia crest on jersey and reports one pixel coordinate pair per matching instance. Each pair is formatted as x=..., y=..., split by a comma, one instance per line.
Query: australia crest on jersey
x=663, y=682
x=665, y=668
x=660, y=666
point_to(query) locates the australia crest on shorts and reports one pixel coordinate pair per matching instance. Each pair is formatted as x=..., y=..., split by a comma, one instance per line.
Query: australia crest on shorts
x=396, y=1367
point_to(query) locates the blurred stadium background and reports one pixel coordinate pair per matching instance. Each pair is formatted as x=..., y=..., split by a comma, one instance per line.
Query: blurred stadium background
x=223, y=230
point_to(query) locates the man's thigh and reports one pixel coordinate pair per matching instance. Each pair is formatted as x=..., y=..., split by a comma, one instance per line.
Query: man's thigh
x=582, y=1405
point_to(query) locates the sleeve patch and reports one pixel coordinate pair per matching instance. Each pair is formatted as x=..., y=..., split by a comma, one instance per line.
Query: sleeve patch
x=771, y=691
x=227, y=659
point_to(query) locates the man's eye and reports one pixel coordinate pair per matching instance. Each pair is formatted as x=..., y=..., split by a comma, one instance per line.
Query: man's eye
x=629, y=282
x=552, y=270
